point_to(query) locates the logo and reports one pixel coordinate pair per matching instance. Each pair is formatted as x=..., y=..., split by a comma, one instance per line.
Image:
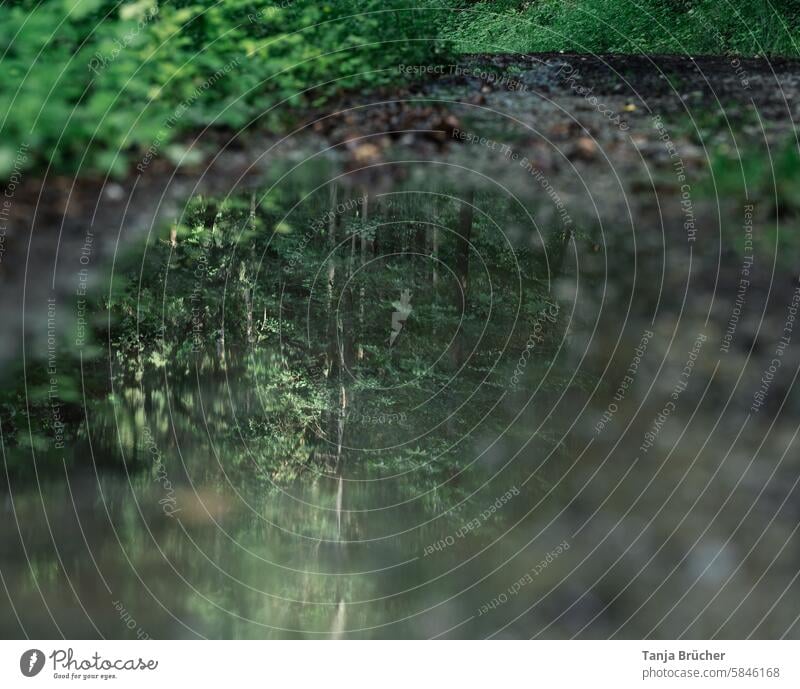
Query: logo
x=31, y=662
x=400, y=315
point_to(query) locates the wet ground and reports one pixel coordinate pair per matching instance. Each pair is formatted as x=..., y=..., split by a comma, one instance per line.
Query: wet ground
x=646, y=483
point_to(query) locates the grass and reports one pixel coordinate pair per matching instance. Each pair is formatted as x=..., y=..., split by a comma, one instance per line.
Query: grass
x=695, y=27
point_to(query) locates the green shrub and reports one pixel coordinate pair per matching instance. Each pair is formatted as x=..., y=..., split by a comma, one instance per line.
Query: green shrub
x=746, y=27
x=95, y=78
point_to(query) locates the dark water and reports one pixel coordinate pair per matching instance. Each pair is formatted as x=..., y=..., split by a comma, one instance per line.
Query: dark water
x=580, y=450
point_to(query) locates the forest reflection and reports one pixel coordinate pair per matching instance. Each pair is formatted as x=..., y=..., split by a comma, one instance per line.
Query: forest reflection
x=390, y=325
x=301, y=395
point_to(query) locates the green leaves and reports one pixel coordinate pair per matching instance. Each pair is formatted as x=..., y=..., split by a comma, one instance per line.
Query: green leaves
x=109, y=77
x=744, y=27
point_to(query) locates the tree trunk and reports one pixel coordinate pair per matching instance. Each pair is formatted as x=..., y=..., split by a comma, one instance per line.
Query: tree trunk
x=362, y=291
x=330, y=355
x=464, y=232
x=435, y=254
x=248, y=289
x=464, y=235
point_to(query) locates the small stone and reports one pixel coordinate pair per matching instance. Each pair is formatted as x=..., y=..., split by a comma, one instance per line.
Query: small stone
x=115, y=192
x=365, y=153
x=585, y=148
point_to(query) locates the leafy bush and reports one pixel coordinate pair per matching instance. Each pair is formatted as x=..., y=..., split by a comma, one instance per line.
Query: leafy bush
x=95, y=78
x=746, y=27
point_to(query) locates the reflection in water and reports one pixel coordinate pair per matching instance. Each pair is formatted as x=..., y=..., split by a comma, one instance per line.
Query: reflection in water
x=418, y=403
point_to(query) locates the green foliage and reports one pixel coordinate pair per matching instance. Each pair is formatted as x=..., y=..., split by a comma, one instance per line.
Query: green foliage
x=90, y=84
x=87, y=81
x=746, y=27
x=765, y=179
